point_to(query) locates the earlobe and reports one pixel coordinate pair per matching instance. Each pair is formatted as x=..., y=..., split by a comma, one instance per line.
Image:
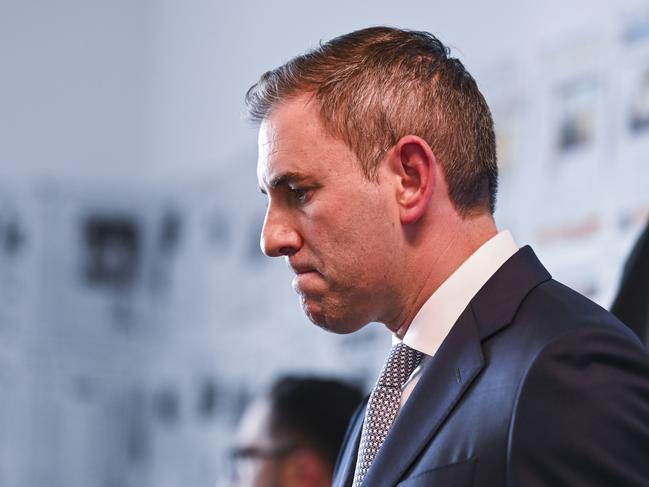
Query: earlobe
x=416, y=165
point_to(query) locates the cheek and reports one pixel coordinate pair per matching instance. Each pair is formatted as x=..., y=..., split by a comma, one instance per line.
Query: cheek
x=327, y=225
x=347, y=219
x=348, y=231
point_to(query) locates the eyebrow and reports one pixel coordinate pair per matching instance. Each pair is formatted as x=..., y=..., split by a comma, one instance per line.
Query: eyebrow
x=284, y=179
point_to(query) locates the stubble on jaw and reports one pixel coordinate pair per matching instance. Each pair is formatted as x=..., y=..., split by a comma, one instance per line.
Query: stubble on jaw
x=343, y=316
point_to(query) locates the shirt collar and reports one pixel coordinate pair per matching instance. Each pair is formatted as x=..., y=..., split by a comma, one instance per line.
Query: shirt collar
x=439, y=313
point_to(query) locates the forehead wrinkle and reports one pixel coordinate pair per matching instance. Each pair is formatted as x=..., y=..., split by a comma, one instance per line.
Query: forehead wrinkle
x=270, y=146
x=284, y=143
x=269, y=162
x=267, y=147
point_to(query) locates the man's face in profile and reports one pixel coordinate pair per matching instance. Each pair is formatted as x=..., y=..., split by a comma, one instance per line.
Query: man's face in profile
x=335, y=227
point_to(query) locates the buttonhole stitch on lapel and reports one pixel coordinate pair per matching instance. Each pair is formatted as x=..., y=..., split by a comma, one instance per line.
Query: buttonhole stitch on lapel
x=458, y=376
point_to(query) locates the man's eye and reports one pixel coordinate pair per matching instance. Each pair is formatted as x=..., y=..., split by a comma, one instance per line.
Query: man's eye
x=299, y=195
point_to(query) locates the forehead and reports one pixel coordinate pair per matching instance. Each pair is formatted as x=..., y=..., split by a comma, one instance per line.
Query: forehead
x=293, y=139
x=293, y=122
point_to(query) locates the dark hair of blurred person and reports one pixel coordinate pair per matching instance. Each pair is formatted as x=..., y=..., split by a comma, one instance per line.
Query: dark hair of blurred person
x=291, y=436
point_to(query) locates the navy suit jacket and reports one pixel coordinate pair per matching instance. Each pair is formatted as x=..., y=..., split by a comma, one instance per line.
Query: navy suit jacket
x=534, y=385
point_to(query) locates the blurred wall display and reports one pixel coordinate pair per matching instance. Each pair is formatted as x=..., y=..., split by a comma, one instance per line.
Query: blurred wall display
x=506, y=87
x=576, y=104
x=17, y=262
x=574, y=139
x=575, y=124
x=112, y=248
x=632, y=116
x=155, y=317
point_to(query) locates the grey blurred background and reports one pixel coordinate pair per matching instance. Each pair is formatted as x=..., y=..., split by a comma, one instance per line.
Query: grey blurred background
x=137, y=314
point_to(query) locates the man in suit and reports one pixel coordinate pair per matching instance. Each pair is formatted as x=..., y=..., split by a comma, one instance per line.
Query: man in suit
x=377, y=155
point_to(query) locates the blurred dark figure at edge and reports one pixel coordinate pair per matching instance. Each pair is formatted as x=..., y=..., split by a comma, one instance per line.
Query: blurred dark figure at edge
x=291, y=436
x=631, y=305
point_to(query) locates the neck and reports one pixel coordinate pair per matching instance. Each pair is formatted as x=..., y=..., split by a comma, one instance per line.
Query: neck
x=435, y=259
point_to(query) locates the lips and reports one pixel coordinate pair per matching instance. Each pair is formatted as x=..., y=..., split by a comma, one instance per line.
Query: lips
x=307, y=283
x=301, y=268
x=307, y=277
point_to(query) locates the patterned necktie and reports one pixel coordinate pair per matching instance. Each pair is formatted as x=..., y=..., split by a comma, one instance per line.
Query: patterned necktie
x=384, y=405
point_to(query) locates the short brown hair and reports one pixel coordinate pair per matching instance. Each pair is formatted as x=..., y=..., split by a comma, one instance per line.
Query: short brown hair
x=379, y=84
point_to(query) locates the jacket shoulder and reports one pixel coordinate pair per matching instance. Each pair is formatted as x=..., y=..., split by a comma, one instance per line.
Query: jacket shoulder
x=581, y=411
x=552, y=310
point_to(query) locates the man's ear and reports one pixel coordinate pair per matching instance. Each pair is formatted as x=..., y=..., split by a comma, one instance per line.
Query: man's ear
x=415, y=165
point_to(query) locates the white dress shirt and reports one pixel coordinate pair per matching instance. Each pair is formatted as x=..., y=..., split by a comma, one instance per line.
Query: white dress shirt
x=439, y=313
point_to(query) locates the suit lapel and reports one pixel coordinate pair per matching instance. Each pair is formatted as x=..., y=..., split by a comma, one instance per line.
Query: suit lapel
x=444, y=380
x=449, y=374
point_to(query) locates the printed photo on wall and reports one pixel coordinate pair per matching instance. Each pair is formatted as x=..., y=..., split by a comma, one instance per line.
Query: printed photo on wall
x=112, y=251
x=576, y=110
x=638, y=109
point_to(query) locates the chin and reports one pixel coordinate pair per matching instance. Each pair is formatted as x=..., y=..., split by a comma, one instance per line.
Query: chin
x=333, y=324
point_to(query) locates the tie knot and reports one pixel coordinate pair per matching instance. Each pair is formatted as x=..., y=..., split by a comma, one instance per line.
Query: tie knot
x=401, y=362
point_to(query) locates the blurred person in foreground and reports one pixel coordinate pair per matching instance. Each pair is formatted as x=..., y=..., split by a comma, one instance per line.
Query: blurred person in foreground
x=377, y=155
x=291, y=436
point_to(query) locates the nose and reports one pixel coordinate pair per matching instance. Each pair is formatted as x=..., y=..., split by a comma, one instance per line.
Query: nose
x=279, y=236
